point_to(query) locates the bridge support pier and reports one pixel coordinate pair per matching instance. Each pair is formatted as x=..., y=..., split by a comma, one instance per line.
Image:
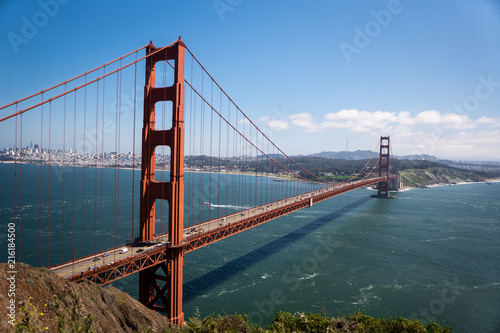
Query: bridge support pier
x=150, y=291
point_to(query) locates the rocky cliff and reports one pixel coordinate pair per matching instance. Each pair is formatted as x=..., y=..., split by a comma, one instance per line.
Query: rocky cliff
x=47, y=301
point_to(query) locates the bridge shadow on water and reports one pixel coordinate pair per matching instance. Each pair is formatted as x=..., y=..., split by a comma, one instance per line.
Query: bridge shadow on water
x=204, y=283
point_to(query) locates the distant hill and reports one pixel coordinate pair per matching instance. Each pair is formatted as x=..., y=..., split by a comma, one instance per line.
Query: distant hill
x=344, y=155
x=414, y=172
x=366, y=154
x=476, y=166
x=420, y=157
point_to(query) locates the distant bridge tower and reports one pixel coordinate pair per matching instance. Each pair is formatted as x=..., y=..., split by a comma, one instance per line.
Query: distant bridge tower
x=384, y=166
x=150, y=289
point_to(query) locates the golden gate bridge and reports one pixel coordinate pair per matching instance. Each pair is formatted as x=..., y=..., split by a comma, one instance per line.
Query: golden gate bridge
x=225, y=175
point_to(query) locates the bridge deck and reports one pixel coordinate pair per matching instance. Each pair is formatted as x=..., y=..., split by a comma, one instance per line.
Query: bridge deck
x=139, y=256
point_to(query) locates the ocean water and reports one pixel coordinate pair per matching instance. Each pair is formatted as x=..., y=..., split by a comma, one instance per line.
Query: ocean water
x=431, y=253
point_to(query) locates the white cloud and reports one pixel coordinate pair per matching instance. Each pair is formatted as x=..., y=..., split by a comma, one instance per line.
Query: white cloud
x=275, y=124
x=456, y=121
x=431, y=117
x=377, y=121
x=354, y=119
x=306, y=121
x=343, y=115
x=404, y=118
x=448, y=120
x=278, y=124
x=360, y=129
x=491, y=122
x=462, y=145
x=428, y=132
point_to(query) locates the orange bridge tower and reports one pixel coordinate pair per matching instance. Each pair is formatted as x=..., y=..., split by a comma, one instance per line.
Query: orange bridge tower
x=150, y=290
x=384, y=167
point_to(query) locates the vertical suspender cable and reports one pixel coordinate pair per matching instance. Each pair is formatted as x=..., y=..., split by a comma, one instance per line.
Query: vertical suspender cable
x=133, y=147
x=48, y=188
x=256, y=168
x=237, y=185
x=94, y=156
x=190, y=157
x=240, y=165
x=228, y=177
x=41, y=182
x=15, y=184
x=115, y=217
x=63, y=167
x=243, y=164
x=219, y=170
x=232, y=159
x=202, y=127
x=20, y=172
x=256, y=178
x=74, y=173
x=262, y=176
x=83, y=164
x=194, y=160
x=120, y=74
x=268, y=172
x=210, y=152
x=248, y=167
x=102, y=147
x=16, y=220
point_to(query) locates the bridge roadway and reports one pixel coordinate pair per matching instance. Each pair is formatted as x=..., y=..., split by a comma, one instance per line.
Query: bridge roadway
x=107, y=266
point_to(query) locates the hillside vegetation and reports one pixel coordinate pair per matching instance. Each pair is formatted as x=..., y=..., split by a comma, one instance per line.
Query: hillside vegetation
x=437, y=175
x=414, y=173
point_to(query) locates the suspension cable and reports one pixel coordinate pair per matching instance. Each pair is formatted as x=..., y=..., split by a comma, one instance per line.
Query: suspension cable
x=73, y=79
x=83, y=85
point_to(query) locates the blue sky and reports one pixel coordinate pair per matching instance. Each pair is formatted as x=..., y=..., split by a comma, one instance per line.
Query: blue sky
x=313, y=75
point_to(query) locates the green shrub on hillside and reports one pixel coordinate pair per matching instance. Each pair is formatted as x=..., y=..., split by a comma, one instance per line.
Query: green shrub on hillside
x=285, y=322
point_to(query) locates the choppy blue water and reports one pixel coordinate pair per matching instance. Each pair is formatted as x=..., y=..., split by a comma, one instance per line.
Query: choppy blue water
x=432, y=254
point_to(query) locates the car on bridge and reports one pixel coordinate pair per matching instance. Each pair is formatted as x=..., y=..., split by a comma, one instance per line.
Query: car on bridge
x=124, y=250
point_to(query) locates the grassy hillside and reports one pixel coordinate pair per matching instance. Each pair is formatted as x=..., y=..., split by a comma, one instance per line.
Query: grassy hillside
x=414, y=173
x=437, y=175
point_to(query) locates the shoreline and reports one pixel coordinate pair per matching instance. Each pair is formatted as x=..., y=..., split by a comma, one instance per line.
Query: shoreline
x=403, y=189
x=92, y=166
x=493, y=180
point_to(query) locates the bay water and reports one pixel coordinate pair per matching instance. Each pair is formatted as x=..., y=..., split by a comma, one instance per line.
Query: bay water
x=431, y=254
